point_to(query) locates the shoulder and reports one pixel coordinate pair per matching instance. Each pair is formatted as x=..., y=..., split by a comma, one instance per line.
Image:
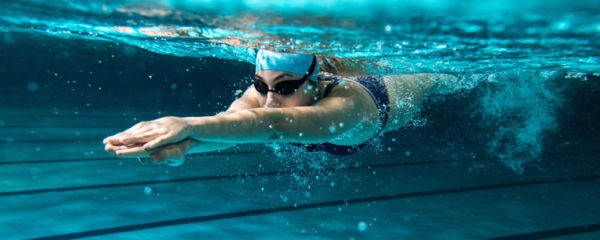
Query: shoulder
x=349, y=90
x=343, y=87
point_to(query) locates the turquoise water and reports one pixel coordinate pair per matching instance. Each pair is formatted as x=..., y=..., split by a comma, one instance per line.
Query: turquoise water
x=508, y=150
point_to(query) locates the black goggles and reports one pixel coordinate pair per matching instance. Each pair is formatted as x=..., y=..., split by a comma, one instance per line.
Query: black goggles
x=285, y=87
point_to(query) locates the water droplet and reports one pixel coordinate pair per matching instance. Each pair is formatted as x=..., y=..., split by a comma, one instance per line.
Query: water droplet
x=147, y=190
x=362, y=226
x=332, y=129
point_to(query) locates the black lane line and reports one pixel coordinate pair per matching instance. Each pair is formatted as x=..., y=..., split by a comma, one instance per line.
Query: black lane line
x=191, y=179
x=154, y=182
x=143, y=226
x=553, y=233
x=113, y=185
x=120, y=159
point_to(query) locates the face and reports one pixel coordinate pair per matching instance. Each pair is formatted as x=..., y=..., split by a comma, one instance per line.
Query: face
x=303, y=96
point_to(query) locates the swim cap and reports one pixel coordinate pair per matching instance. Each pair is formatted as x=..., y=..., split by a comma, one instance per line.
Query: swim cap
x=287, y=62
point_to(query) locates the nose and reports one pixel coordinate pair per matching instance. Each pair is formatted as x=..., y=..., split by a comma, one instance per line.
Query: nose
x=271, y=101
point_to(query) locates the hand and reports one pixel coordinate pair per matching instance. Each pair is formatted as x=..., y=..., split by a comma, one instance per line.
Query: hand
x=171, y=154
x=151, y=134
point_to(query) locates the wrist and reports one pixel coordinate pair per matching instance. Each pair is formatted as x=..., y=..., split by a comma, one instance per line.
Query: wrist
x=197, y=127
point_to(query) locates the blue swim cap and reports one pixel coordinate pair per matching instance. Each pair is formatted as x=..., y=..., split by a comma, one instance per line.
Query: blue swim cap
x=287, y=62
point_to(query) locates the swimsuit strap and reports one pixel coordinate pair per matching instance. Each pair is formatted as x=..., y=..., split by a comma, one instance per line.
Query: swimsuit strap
x=378, y=91
x=331, y=85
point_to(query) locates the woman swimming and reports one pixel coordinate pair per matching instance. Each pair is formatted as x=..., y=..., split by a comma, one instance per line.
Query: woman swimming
x=288, y=102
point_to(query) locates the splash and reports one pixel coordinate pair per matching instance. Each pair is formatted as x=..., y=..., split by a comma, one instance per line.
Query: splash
x=303, y=164
x=385, y=37
x=519, y=110
x=308, y=168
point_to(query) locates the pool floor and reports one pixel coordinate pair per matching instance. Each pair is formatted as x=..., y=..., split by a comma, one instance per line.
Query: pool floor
x=58, y=183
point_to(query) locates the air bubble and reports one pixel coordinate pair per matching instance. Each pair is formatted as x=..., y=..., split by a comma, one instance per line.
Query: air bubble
x=388, y=28
x=362, y=226
x=332, y=129
x=147, y=190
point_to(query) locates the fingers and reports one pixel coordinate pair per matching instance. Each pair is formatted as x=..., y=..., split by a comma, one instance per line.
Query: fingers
x=157, y=142
x=145, y=137
x=132, y=152
x=122, y=137
x=114, y=139
x=112, y=148
x=170, y=154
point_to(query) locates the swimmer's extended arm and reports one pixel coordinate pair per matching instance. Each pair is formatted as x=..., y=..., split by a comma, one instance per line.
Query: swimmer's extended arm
x=246, y=101
x=131, y=142
x=343, y=110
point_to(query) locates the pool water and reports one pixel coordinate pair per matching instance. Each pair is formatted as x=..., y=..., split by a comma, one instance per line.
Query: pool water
x=510, y=151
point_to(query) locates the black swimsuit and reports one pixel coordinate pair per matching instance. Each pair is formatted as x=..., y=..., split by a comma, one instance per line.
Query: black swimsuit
x=378, y=91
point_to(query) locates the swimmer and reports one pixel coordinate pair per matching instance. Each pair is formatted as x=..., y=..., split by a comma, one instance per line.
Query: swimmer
x=290, y=101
